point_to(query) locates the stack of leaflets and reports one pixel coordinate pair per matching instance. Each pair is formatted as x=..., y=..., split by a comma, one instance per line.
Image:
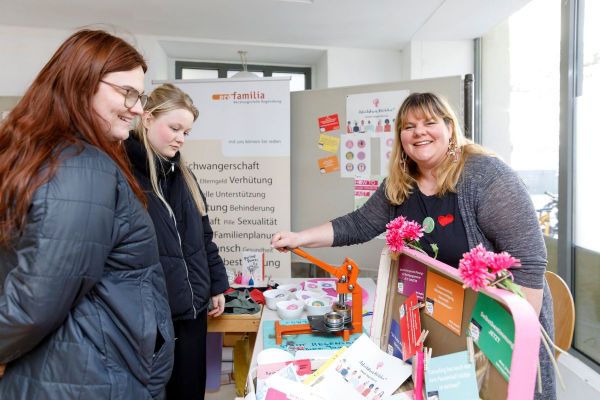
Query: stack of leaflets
x=361, y=371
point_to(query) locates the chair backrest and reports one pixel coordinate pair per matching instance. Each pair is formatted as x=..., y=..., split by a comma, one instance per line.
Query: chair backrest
x=564, y=311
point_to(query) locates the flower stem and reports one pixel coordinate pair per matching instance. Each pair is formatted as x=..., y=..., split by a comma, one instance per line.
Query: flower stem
x=416, y=246
x=497, y=281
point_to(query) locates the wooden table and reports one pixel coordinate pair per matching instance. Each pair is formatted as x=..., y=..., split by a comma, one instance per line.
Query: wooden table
x=236, y=323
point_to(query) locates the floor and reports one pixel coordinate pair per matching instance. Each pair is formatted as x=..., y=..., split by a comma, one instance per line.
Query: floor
x=226, y=392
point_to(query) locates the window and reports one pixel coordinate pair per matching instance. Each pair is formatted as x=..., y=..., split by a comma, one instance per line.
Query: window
x=586, y=246
x=300, y=76
x=520, y=105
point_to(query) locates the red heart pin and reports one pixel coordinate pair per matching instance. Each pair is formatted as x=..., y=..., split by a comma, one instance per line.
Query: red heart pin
x=444, y=220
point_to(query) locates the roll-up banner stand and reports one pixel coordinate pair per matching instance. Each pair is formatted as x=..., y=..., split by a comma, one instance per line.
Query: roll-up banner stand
x=239, y=151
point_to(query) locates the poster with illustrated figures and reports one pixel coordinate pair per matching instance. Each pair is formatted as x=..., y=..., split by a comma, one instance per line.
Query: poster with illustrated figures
x=373, y=115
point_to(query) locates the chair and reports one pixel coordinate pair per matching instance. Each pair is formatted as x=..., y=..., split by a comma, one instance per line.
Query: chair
x=564, y=311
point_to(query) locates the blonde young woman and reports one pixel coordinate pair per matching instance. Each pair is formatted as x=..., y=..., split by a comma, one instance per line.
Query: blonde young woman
x=194, y=271
x=467, y=196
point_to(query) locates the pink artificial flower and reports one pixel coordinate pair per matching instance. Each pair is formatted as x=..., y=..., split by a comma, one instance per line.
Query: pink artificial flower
x=473, y=268
x=502, y=261
x=400, y=231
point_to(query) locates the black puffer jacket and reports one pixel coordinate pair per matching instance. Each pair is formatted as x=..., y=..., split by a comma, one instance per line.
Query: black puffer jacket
x=83, y=307
x=193, y=269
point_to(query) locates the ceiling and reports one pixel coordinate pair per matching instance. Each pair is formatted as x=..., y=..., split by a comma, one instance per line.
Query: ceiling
x=211, y=26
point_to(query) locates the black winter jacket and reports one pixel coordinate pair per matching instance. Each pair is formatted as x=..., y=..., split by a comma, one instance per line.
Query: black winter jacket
x=83, y=307
x=193, y=268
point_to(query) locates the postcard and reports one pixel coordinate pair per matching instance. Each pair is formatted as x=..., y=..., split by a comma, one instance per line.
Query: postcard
x=451, y=377
x=329, y=123
x=328, y=164
x=329, y=143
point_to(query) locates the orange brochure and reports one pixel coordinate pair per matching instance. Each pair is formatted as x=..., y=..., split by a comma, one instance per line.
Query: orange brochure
x=329, y=164
x=444, y=300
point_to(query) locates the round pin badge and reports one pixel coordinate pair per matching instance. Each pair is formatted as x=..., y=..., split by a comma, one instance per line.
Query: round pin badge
x=428, y=225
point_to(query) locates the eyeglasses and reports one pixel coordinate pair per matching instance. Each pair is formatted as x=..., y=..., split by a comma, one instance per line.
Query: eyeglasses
x=131, y=95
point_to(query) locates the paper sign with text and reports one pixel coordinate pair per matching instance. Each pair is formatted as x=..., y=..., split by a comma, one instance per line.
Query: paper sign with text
x=444, y=301
x=329, y=143
x=329, y=164
x=451, y=377
x=410, y=326
x=411, y=277
x=364, y=189
x=493, y=331
x=329, y=123
x=253, y=267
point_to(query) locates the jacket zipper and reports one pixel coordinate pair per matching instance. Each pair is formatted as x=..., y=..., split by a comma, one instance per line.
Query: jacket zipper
x=187, y=271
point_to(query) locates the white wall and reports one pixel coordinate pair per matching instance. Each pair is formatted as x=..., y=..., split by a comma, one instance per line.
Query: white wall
x=434, y=59
x=26, y=50
x=581, y=382
x=348, y=67
x=320, y=73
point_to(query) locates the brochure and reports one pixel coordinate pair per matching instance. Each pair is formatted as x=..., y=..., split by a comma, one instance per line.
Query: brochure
x=411, y=277
x=444, y=301
x=362, y=371
x=493, y=331
x=410, y=326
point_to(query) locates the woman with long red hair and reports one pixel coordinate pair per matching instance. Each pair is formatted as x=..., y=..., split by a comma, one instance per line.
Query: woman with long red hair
x=83, y=308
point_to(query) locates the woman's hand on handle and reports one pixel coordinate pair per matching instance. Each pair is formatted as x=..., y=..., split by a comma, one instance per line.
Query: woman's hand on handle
x=282, y=241
x=318, y=236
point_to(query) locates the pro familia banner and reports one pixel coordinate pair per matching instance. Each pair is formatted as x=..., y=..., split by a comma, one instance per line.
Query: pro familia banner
x=239, y=150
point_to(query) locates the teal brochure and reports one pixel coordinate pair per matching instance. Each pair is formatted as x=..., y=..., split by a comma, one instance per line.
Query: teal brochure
x=451, y=377
x=493, y=331
x=313, y=341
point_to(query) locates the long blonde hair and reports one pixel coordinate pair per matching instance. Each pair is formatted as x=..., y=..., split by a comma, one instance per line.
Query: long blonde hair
x=163, y=99
x=403, y=172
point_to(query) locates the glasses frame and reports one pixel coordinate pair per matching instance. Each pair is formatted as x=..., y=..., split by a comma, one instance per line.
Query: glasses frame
x=130, y=94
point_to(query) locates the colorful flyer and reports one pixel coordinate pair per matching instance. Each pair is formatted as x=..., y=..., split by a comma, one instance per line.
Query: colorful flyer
x=329, y=143
x=329, y=164
x=410, y=326
x=394, y=346
x=444, y=301
x=493, y=331
x=355, y=155
x=411, y=277
x=451, y=377
x=364, y=189
x=329, y=123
